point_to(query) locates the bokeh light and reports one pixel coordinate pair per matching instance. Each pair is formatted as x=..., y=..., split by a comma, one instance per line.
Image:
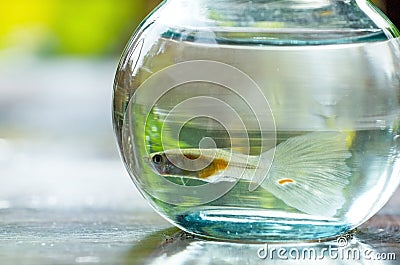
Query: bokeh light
x=59, y=27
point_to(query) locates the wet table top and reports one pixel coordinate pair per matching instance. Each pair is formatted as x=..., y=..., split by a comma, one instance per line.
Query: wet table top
x=143, y=237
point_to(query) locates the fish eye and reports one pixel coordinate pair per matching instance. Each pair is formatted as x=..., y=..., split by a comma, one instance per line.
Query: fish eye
x=157, y=159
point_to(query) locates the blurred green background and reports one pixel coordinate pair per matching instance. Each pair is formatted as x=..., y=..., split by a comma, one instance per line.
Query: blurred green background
x=57, y=64
x=70, y=27
x=85, y=27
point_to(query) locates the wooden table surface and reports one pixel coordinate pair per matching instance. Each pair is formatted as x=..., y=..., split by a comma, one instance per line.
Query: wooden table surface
x=142, y=237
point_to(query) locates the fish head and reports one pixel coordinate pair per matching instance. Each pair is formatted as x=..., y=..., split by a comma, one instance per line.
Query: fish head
x=161, y=165
x=189, y=163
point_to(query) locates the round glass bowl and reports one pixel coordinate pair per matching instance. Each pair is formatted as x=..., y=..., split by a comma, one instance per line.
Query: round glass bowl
x=261, y=120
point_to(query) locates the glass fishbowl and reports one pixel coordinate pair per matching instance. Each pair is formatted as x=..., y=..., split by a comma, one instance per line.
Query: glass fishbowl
x=262, y=120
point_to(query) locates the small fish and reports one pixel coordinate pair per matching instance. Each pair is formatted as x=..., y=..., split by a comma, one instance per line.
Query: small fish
x=307, y=172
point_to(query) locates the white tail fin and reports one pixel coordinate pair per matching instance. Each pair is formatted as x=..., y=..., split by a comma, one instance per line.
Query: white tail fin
x=309, y=172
